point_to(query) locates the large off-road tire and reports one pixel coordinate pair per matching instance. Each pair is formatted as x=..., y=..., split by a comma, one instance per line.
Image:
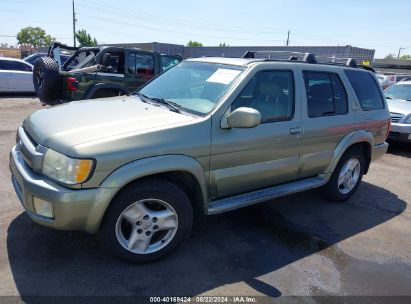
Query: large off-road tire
x=46, y=80
x=347, y=175
x=146, y=221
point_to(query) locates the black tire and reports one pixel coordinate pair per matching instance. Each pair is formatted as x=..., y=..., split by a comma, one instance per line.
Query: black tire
x=333, y=191
x=46, y=80
x=149, y=189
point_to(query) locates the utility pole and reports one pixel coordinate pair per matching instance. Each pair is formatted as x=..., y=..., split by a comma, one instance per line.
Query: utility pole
x=399, y=51
x=288, y=38
x=74, y=26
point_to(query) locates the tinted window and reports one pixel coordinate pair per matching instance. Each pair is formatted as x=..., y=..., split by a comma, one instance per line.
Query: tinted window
x=14, y=66
x=167, y=62
x=366, y=89
x=271, y=93
x=326, y=95
x=140, y=64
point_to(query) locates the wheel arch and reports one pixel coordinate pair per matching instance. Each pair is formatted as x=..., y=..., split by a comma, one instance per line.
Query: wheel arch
x=184, y=171
x=362, y=139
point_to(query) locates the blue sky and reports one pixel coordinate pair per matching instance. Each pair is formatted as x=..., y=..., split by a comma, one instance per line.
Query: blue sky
x=381, y=25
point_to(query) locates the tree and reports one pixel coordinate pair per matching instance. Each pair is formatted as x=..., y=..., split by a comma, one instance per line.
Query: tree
x=223, y=44
x=84, y=39
x=390, y=56
x=405, y=57
x=194, y=43
x=34, y=36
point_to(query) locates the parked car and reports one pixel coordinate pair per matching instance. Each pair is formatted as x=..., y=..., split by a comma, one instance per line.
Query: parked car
x=399, y=103
x=94, y=72
x=392, y=79
x=207, y=136
x=33, y=58
x=383, y=80
x=15, y=75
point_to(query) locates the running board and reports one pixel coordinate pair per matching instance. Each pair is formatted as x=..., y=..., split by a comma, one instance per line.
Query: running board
x=254, y=197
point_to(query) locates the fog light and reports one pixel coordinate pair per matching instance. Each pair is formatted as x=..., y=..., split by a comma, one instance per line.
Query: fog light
x=43, y=208
x=409, y=136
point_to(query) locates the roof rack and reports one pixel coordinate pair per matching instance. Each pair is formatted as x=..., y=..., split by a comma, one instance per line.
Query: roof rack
x=308, y=58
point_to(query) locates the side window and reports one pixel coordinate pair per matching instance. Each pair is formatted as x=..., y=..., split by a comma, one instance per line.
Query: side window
x=15, y=66
x=271, y=93
x=326, y=95
x=340, y=95
x=366, y=89
x=140, y=64
x=167, y=62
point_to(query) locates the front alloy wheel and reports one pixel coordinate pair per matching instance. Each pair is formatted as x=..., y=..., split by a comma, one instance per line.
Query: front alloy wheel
x=146, y=221
x=146, y=226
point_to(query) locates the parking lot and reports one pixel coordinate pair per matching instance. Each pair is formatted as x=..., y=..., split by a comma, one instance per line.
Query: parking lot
x=297, y=245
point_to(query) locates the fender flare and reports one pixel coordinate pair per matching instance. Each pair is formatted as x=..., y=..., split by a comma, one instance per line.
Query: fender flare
x=98, y=86
x=349, y=140
x=143, y=168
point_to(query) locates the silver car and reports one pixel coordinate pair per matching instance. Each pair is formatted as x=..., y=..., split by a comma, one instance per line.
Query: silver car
x=399, y=104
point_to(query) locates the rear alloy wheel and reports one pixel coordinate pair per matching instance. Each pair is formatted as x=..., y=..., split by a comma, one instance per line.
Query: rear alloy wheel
x=347, y=175
x=146, y=221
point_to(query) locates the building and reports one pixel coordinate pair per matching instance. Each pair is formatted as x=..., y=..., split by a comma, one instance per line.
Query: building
x=393, y=66
x=363, y=56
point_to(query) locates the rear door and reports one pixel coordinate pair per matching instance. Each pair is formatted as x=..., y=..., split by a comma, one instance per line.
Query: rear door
x=327, y=118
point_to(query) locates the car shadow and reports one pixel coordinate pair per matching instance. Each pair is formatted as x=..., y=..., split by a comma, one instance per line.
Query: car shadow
x=400, y=149
x=235, y=247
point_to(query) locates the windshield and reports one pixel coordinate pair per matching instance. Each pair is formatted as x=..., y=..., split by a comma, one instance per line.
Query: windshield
x=195, y=87
x=399, y=91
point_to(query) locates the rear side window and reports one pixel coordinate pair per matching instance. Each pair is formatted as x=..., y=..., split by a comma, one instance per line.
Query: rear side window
x=366, y=89
x=326, y=94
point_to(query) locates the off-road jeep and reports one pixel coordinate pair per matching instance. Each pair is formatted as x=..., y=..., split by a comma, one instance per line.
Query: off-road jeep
x=208, y=136
x=95, y=72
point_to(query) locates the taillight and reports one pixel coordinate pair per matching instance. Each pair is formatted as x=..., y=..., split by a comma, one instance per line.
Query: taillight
x=72, y=84
x=388, y=128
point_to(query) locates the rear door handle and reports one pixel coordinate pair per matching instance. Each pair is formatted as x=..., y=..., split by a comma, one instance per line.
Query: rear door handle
x=294, y=131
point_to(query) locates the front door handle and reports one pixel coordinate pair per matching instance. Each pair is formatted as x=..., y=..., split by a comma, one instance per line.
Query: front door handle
x=294, y=131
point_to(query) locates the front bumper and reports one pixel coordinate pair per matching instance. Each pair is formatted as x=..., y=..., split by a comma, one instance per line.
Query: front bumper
x=74, y=209
x=400, y=132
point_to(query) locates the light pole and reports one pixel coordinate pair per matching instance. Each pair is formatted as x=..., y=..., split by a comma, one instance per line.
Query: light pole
x=399, y=51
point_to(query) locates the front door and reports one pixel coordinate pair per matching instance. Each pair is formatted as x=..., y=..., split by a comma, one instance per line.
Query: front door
x=140, y=69
x=252, y=158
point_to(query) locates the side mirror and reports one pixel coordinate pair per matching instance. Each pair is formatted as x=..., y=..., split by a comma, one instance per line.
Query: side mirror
x=244, y=118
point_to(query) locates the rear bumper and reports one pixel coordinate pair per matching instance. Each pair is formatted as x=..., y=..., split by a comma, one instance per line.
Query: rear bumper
x=379, y=150
x=73, y=209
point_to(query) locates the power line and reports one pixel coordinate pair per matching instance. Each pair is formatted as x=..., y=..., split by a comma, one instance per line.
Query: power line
x=181, y=23
x=167, y=30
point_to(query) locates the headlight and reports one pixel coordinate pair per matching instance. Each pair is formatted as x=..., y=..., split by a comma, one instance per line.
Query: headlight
x=408, y=119
x=66, y=170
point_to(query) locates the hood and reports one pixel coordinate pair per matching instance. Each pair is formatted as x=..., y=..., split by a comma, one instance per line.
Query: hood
x=399, y=106
x=70, y=124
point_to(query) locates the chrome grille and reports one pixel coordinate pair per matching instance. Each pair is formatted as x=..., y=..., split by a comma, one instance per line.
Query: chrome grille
x=396, y=117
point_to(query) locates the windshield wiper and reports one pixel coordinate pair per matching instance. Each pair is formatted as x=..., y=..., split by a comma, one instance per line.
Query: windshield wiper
x=171, y=105
x=388, y=97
